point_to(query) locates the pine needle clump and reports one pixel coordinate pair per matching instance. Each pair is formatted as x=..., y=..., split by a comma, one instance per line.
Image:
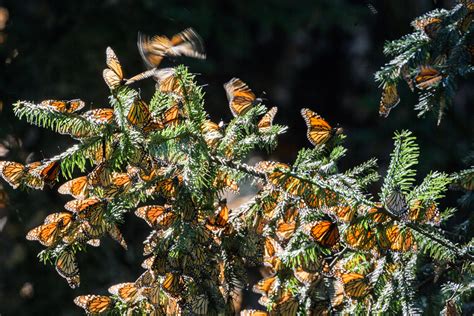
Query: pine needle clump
x=324, y=243
x=433, y=59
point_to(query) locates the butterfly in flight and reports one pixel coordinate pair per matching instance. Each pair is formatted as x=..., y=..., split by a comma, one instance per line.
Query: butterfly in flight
x=113, y=75
x=319, y=131
x=154, y=49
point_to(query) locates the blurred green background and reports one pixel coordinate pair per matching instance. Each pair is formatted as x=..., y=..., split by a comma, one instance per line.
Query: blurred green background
x=319, y=54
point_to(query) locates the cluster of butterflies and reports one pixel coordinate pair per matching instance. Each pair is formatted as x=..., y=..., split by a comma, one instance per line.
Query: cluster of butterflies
x=163, y=289
x=428, y=76
x=370, y=230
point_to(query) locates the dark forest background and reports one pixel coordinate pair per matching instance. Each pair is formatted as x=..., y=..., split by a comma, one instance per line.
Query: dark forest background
x=318, y=54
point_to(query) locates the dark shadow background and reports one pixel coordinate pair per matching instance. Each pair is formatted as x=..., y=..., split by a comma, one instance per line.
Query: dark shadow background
x=317, y=54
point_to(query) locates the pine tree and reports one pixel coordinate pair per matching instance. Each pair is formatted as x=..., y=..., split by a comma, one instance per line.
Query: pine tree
x=327, y=245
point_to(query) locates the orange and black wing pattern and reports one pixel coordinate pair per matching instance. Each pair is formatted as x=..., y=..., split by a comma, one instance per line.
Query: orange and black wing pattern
x=267, y=120
x=325, y=233
x=389, y=100
x=427, y=77
x=319, y=131
x=113, y=75
x=240, y=97
x=154, y=49
x=70, y=106
x=94, y=304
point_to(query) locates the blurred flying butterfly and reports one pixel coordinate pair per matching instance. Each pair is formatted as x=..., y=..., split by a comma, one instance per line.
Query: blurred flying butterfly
x=94, y=304
x=389, y=100
x=267, y=120
x=319, y=131
x=186, y=43
x=66, y=266
x=241, y=98
x=159, y=75
x=427, y=77
x=113, y=75
x=64, y=106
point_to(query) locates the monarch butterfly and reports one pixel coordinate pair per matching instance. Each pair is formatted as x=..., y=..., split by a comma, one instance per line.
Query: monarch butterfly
x=418, y=212
x=151, y=213
x=266, y=286
x=170, y=84
x=396, y=202
x=430, y=26
x=343, y=213
x=355, y=285
x=172, y=115
x=113, y=75
x=173, y=284
x=389, y=100
x=212, y=133
x=126, y=292
x=286, y=305
x=267, y=120
x=398, y=239
x=48, y=172
x=64, y=106
x=377, y=214
x=51, y=231
x=66, y=266
x=91, y=209
x=146, y=279
x=100, y=116
x=139, y=114
x=77, y=187
x=305, y=277
x=325, y=232
x=158, y=74
x=224, y=181
x=94, y=304
x=198, y=305
x=186, y=43
x=253, y=312
x=220, y=219
x=427, y=77
x=120, y=182
x=360, y=236
x=15, y=173
x=100, y=175
x=285, y=230
x=169, y=187
x=240, y=97
x=116, y=235
x=319, y=131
